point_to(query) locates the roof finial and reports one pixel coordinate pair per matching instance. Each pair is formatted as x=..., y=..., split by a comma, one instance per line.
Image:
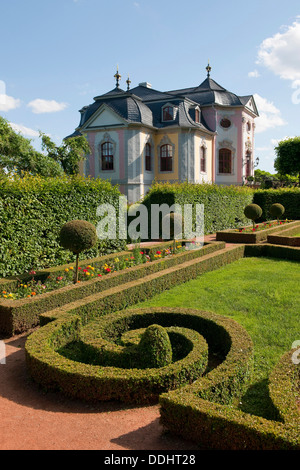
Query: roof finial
x=208, y=68
x=128, y=81
x=117, y=76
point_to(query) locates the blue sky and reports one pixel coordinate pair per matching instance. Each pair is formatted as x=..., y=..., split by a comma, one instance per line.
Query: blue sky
x=57, y=55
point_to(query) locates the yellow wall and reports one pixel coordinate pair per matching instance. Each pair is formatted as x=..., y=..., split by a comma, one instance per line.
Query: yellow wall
x=173, y=137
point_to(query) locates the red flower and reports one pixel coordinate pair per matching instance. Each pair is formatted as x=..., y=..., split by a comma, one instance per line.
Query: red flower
x=99, y=275
x=158, y=252
x=108, y=270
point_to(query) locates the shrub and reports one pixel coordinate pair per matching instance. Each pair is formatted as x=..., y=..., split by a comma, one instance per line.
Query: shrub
x=277, y=210
x=78, y=236
x=155, y=347
x=223, y=205
x=32, y=212
x=253, y=212
x=288, y=197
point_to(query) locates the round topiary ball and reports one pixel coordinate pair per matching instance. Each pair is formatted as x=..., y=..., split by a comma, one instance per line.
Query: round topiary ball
x=155, y=347
x=277, y=210
x=253, y=212
x=78, y=236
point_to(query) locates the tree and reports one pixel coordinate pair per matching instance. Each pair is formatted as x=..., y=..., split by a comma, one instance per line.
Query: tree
x=69, y=154
x=18, y=155
x=287, y=159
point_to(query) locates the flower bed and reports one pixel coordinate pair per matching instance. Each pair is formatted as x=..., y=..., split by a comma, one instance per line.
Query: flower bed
x=255, y=235
x=289, y=237
x=22, y=314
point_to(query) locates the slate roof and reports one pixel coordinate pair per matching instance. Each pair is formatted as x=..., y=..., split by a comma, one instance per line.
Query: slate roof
x=210, y=92
x=143, y=104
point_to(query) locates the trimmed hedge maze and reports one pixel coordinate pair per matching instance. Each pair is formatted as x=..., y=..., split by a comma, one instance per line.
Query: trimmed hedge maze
x=93, y=348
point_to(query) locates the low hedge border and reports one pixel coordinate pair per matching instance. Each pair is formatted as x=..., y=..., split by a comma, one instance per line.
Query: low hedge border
x=285, y=237
x=219, y=426
x=233, y=236
x=269, y=250
x=20, y=315
x=131, y=293
x=91, y=382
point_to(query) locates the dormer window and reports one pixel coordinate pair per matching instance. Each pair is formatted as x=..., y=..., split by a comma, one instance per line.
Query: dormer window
x=197, y=115
x=168, y=113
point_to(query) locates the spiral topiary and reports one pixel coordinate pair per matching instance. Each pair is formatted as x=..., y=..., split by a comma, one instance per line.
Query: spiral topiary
x=277, y=210
x=78, y=236
x=253, y=212
x=155, y=347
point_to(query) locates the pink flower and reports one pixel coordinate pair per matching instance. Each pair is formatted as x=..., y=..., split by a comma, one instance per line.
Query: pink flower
x=32, y=272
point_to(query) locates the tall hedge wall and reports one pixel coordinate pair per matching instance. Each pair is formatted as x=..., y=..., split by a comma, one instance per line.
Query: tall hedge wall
x=223, y=205
x=288, y=197
x=32, y=212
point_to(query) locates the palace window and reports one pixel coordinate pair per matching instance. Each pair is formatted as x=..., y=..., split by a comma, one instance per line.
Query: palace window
x=148, y=157
x=107, y=156
x=203, y=159
x=166, y=158
x=168, y=113
x=248, y=163
x=225, y=161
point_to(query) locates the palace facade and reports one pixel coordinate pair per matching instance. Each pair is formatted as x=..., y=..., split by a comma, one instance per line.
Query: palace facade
x=199, y=134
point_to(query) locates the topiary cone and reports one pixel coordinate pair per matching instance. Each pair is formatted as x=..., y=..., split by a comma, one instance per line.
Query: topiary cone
x=78, y=236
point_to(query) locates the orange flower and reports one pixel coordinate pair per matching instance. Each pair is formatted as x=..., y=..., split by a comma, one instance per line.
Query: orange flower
x=33, y=293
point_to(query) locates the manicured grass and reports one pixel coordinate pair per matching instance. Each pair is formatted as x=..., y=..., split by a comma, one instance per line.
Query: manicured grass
x=261, y=294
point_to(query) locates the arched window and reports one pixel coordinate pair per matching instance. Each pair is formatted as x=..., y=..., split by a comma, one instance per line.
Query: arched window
x=148, y=157
x=197, y=115
x=107, y=156
x=166, y=157
x=168, y=113
x=225, y=161
x=203, y=159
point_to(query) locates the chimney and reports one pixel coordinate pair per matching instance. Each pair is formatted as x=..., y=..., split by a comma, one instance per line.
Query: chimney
x=145, y=84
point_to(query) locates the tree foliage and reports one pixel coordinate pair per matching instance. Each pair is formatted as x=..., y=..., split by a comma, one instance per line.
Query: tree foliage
x=18, y=156
x=288, y=157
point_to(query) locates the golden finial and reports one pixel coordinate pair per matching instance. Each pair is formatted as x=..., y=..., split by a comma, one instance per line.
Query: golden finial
x=128, y=81
x=117, y=76
x=208, y=69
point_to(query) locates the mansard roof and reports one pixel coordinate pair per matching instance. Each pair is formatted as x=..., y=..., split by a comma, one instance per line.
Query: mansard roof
x=143, y=104
x=210, y=93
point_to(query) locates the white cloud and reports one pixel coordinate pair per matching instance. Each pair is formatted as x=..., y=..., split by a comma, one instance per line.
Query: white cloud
x=269, y=115
x=254, y=74
x=26, y=131
x=280, y=53
x=40, y=106
x=7, y=103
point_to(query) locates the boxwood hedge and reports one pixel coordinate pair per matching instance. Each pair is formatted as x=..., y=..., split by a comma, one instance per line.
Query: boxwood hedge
x=32, y=212
x=107, y=380
x=20, y=315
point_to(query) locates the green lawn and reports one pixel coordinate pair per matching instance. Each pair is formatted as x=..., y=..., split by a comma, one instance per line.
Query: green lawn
x=261, y=294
